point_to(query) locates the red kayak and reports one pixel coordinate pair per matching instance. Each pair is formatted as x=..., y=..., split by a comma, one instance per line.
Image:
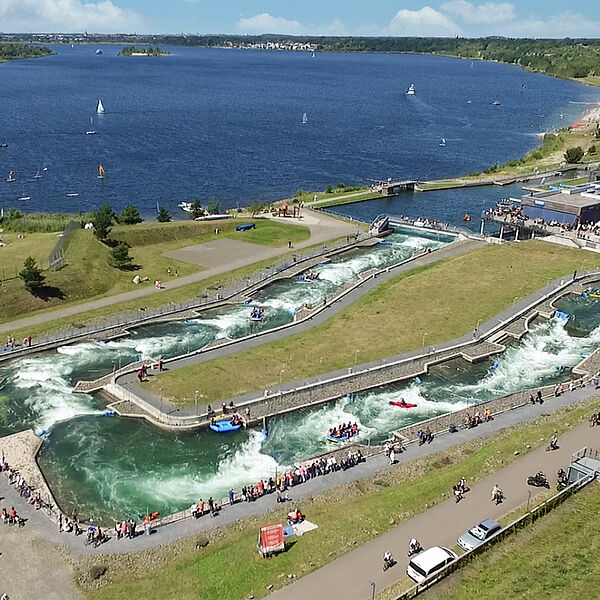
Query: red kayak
x=402, y=404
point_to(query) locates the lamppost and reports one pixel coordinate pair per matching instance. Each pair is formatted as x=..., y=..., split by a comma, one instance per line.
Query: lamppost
x=515, y=300
x=425, y=334
x=196, y=402
x=356, y=356
x=281, y=376
x=372, y=584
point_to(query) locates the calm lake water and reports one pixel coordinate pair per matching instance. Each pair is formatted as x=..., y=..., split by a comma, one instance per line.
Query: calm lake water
x=228, y=124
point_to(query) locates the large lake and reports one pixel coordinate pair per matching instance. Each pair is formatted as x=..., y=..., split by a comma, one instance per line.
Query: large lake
x=227, y=124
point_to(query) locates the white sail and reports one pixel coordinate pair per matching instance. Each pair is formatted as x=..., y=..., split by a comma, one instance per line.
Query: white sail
x=100, y=107
x=305, y=118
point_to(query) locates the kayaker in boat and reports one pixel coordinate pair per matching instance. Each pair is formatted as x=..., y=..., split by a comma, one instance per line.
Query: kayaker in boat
x=402, y=402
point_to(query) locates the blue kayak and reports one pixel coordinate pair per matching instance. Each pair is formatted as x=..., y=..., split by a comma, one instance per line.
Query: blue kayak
x=224, y=426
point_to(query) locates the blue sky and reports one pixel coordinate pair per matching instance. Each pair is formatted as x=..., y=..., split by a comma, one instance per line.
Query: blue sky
x=518, y=18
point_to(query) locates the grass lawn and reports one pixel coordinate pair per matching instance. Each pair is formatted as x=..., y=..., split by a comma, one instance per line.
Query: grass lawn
x=88, y=276
x=435, y=303
x=229, y=566
x=556, y=557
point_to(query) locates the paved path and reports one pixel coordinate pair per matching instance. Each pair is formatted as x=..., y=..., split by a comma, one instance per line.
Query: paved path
x=441, y=525
x=130, y=382
x=322, y=228
x=48, y=530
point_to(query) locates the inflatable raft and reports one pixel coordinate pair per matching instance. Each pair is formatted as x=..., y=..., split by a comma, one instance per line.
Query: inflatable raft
x=342, y=439
x=225, y=426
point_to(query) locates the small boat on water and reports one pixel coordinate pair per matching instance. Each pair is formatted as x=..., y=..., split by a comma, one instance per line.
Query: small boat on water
x=4, y=145
x=24, y=198
x=346, y=437
x=72, y=194
x=11, y=177
x=100, y=172
x=411, y=90
x=227, y=425
x=309, y=277
x=466, y=217
x=443, y=143
x=257, y=313
x=304, y=119
x=401, y=404
x=90, y=131
x=98, y=51
x=495, y=103
x=37, y=175
x=100, y=108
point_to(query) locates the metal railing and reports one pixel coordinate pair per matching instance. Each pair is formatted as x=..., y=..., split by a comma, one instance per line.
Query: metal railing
x=248, y=285
x=529, y=517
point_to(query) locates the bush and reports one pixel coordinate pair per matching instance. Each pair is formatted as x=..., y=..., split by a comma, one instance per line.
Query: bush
x=130, y=215
x=96, y=571
x=32, y=276
x=574, y=155
x=329, y=190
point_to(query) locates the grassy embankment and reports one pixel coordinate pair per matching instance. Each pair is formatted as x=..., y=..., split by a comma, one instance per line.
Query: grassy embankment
x=229, y=566
x=556, y=557
x=87, y=274
x=548, y=156
x=431, y=304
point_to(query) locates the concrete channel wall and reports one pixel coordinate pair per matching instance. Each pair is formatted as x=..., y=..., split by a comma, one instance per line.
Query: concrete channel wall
x=117, y=326
x=360, y=379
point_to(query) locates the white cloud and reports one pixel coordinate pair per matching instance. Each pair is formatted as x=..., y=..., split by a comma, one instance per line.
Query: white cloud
x=489, y=13
x=423, y=22
x=265, y=23
x=567, y=24
x=66, y=15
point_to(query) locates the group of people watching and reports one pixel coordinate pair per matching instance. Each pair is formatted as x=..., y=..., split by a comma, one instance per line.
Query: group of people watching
x=33, y=496
x=424, y=436
x=433, y=223
x=476, y=419
x=344, y=431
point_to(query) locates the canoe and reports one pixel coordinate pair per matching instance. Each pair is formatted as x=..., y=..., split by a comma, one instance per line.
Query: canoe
x=224, y=426
x=400, y=405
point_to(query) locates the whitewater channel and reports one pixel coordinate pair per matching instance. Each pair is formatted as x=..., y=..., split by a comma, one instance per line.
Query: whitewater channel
x=114, y=468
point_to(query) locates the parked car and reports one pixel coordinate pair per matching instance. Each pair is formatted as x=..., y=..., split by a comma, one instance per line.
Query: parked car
x=429, y=562
x=478, y=534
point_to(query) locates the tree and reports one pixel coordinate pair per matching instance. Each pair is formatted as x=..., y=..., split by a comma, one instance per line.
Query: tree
x=163, y=216
x=130, y=215
x=255, y=208
x=213, y=206
x=592, y=149
x=103, y=220
x=32, y=275
x=574, y=155
x=329, y=190
x=196, y=209
x=119, y=257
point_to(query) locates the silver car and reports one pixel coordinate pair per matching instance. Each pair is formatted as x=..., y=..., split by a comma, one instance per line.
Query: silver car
x=478, y=534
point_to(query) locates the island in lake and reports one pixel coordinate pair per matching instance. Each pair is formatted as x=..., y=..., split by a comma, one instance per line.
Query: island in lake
x=149, y=51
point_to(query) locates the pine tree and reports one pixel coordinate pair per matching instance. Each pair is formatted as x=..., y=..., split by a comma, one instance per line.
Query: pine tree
x=119, y=257
x=163, y=216
x=32, y=275
x=130, y=215
x=103, y=220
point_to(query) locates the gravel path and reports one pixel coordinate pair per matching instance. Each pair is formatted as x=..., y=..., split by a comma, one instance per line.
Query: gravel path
x=322, y=228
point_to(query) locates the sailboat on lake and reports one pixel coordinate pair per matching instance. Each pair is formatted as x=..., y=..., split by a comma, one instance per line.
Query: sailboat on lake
x=304, y=118
x=100, y=172
x=90, y=131
x=443, y=143
x=100, y=108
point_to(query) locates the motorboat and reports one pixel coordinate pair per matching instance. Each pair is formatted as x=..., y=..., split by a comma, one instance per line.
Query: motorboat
x=411, y=89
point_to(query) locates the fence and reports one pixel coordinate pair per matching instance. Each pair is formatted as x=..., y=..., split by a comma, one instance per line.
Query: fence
x=56, y=259
x=246, y=286
x=528, y=518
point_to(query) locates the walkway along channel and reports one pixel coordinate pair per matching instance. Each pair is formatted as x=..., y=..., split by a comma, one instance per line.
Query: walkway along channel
x=117, y=327
x=135, y=401
x=487, y=340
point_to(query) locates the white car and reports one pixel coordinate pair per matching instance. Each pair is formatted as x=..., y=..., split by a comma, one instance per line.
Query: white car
x=429, y=563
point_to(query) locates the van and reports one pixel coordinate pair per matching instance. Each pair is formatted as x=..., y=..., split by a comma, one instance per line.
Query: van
x=429, y=563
